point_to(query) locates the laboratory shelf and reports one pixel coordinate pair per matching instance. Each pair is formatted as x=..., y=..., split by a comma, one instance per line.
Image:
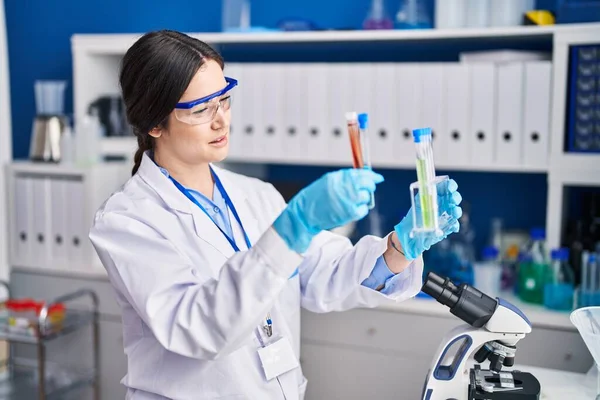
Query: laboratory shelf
x=60, y=381
x=117, y=44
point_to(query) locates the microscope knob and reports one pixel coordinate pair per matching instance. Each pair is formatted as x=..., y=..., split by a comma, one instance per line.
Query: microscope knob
x=509, y=361
x=496, y=361
x=482, y=354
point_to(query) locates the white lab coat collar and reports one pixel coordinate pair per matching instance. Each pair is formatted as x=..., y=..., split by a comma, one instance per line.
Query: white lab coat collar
x=204, y=227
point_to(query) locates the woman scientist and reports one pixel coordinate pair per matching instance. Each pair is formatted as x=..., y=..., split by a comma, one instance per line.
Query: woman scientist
x=211, y=267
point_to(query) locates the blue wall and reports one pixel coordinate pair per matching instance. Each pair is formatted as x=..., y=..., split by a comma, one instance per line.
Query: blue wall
x=39, y=34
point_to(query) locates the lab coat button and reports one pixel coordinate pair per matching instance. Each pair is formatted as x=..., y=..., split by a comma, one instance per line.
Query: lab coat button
x=216, y=209
x=195, y=272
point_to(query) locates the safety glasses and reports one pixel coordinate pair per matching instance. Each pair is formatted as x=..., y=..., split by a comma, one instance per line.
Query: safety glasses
x=203, y=110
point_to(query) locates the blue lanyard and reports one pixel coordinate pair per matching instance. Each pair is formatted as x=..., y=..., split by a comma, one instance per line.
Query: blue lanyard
x=229, y=204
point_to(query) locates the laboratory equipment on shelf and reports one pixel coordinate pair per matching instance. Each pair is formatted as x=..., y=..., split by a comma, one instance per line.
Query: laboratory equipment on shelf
x=424, y=191
x=354, y=135
x=26, y=321
x=559, y=290
x=491, y=333
x=587, y=322
x=235, y=16
x=377, y=18
x=363, y=125
x=488, y=273
x=589, y=289
x=534, y=269
x=50, y=121
x=413, y=14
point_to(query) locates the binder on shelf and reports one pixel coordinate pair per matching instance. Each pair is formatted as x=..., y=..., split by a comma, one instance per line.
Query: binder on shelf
x=58, y=222
x=235, y=71
x=509, y=114
x=483, y=106
x=22, y=230
x=76, y=231
x=456, y=108
x=40, y=214
x=383, y=124
x=432, y=81
x=271, y=134
x=317, y=112
x=251, y=111
x=410, y=93
x=340, y=99
x=536, y=124
x=296, y=113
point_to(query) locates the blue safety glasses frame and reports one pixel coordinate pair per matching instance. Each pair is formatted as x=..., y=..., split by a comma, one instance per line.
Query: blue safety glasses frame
x=203, y=110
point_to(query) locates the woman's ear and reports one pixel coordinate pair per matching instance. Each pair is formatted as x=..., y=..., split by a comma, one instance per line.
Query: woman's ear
x=156, y=132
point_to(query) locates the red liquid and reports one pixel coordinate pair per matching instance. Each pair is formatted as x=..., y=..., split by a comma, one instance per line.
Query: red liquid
x=354, y=133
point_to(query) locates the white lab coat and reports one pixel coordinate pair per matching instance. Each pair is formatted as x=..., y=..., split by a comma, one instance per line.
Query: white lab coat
x=192, y=308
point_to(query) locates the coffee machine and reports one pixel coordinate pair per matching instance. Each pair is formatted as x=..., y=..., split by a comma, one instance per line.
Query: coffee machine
x=50, y=122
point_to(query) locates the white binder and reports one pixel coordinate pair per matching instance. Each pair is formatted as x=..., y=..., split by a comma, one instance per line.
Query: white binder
x=41, y=239
x=482, y=124
x=76, y=236
x=432, y=78
x=234, y=70
x=340, y=97
x=317, y=112
x=456, y=114
x=383, y=123
x=58, y=222
x=252, y=111
x=296, y=113
x=271, y=134
x=509, y=114
x=538, y=78
x=22, y=234
x=410, y=92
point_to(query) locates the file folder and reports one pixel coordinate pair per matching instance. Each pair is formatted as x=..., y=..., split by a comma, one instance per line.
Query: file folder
x=22, y=231
x=509, y=114
x=383, y=123
x=483, y=106
x=76, y=225
x=235, y=71
x=536, y=127
x=58, y=224
x=317, y=112
x=296, y=113
x=432, y=78
x=456, y=108
x=341, y=100
x=40, y=214
x=270, y=138
x=410, y=92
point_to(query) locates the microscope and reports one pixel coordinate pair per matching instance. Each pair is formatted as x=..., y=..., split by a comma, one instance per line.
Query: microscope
x=492, y=330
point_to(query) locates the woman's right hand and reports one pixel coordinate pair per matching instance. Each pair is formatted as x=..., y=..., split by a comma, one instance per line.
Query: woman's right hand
x=333, y=200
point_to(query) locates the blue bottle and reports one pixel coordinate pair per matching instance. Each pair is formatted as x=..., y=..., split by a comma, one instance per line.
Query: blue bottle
x=558, y=293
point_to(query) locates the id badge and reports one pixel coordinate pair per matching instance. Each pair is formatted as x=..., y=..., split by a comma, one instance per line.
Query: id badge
x=277, y=358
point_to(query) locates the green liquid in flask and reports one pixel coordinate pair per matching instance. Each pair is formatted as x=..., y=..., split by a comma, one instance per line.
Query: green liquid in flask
x=424, y=195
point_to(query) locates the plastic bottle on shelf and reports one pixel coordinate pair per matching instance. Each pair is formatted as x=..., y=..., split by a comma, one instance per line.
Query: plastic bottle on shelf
x=413, y=14
x=377, y=18
x=534, y=270
x=558, y=292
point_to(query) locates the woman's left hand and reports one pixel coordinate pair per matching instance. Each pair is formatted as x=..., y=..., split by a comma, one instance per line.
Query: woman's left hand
x=448, y=200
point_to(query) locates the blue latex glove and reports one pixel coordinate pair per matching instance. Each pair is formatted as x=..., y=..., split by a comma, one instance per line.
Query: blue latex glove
x=448, y=200
x=333, y=200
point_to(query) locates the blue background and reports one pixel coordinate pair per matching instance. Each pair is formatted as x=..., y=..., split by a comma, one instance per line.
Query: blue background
x=39, y=33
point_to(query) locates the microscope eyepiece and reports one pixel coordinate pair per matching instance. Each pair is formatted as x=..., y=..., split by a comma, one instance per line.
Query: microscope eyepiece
x=443, y=290
x=466, y=302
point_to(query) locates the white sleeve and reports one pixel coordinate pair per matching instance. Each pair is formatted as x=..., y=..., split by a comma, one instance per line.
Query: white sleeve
x=332, y=272
x=194, y=316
